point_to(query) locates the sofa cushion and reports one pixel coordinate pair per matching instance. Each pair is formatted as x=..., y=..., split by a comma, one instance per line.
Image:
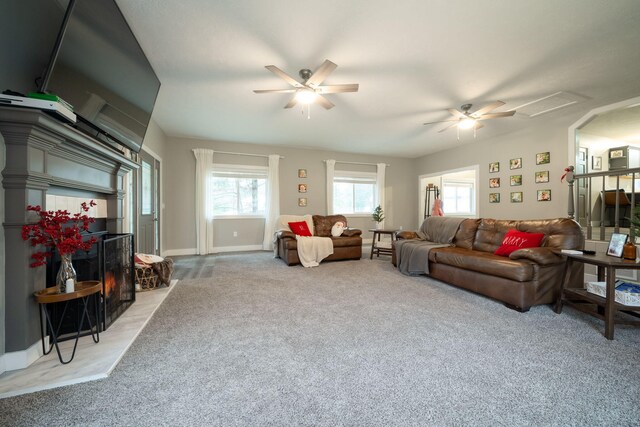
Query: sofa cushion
x=515, y=240
x=343, y=241
x=484, y=262
x=491, y=232
x=300, y=228
x=323, y=223
x=466, y=233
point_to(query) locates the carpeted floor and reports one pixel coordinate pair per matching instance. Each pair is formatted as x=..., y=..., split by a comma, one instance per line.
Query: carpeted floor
x=349, y=343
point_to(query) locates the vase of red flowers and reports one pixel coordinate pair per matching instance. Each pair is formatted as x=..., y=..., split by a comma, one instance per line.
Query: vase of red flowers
x=61, y=231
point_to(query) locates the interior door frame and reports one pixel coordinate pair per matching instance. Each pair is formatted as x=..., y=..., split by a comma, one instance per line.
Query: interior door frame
x=158, y=195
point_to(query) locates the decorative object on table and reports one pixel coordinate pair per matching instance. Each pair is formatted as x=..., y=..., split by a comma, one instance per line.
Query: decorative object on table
x=515, y=163
x=494, y=197
x=544, y=195
x=494, y=182
x=616, y=244
x=542, y=176
x=629, y=251
x=515, y=180
x=302, y=202
x=378, y=215
x=494, y=167
x=543, y=158
x=302, y=188
x=302, y=173
x=516, y=197
x=596, y=163
x=61, y=231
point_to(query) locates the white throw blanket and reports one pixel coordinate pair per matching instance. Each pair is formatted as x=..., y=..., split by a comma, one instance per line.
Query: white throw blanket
x=312, y=250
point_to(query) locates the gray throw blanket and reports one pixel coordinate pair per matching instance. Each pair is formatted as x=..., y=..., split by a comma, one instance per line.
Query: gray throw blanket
x=412, y=256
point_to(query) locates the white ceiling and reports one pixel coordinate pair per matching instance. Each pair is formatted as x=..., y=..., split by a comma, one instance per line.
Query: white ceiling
x=412, y=59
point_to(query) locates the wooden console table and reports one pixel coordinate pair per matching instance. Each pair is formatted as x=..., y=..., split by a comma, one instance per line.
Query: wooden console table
x=375, y=248
x=84, y=291
x=593, y=304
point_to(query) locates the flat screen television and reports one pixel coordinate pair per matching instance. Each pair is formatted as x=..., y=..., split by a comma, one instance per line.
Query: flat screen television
x=98, y=67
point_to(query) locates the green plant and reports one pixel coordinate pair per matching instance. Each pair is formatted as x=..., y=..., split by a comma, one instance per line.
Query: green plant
x=634, y=227
x=378, y=214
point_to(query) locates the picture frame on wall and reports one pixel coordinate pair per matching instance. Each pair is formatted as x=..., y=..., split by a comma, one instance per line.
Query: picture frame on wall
x=494, y=197
x=302, y=202
x=302, y=188
x=544, y=195
x=516, y=197
x=515, y=163
x=302, y=173
x=596, y=163
x=542, y=176
x=494, y=167
x=494, y=182
x=515, y=180
x=543, y=158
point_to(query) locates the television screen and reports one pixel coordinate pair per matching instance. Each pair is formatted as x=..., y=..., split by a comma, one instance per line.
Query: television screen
x=101, y=70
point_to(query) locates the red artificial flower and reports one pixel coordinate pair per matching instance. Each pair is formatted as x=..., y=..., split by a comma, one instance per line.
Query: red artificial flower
x=59, y=230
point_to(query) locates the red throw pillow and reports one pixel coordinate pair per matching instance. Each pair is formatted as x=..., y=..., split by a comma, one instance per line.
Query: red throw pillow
x=515, y=240
x=300, y=228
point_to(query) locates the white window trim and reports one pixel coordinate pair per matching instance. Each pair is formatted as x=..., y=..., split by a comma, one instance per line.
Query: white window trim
x=471, y=183
x=365, y=178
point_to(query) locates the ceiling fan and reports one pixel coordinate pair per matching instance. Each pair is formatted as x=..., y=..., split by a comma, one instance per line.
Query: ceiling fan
x=466, y=120
x=310, y=89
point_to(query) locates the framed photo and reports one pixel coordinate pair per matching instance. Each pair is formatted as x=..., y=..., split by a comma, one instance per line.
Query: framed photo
x=515, y=163
x=596, y=163
x=302, y=188
x=302, y=173
x=516, y=197
x=515, y=180
x=302, y=202
x=543, y=158
x=614, y=154
x=616, y=244
x=542, y=176
x=544, y=195
x=494, y=167
x=494, y=182
x=494, y=197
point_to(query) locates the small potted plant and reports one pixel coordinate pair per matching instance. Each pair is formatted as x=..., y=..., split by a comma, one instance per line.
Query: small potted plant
x=378, y=215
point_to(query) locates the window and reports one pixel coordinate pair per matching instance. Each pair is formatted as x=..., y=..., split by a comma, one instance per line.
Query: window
x=458, y=197
x=239, y=190
x=354, y=192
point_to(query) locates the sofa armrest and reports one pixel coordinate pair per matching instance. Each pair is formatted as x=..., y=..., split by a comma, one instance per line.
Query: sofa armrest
x=284, y=234
x=406, y=235
x=351, y=232
x=542, y=256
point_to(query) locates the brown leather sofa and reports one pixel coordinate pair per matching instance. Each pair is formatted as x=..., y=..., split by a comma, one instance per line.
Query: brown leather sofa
x=526, y=278
x=346, y=246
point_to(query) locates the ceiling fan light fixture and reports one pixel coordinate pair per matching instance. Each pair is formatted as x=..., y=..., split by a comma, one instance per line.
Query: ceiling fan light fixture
x=306, y=96
x=467, y=123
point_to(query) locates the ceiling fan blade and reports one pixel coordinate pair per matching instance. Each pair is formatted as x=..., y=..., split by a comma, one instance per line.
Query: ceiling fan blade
x=496, y=115
x=291, y=103
x=321, y=73
x=274, y=90
x=442, y=121
x=457, y=114
x=478, y=126
x=284, y=76
x=448, y=127
x=487, y=108
x=324, y=102
x=339, y=88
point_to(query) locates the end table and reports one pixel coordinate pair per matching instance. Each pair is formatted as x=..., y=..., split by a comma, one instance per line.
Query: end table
x=375, y=247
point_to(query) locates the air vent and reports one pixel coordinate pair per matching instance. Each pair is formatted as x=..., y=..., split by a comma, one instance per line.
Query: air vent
x=549, y=103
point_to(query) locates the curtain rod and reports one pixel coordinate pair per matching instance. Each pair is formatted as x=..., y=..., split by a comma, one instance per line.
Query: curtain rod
x=241, y=154
x=358, y=163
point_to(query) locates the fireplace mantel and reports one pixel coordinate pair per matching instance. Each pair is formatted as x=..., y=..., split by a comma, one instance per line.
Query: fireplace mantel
x=46, y=156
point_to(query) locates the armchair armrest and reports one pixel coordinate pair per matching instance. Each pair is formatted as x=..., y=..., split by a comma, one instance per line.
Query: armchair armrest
x=406, y=235
x=542, y=256
x=284, y=234
x=351, y=232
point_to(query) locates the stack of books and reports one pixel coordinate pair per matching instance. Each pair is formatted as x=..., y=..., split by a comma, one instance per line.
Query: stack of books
x=50, y=97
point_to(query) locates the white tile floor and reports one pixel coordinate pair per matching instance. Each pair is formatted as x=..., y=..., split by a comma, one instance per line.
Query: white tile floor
x=92, y=361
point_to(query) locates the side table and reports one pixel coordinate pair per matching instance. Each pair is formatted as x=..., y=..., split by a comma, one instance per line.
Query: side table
x=376, y=248
x=577, y=297
x=83, y=291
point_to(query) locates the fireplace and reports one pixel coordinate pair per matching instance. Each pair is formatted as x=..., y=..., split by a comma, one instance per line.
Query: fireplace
x=111, y=261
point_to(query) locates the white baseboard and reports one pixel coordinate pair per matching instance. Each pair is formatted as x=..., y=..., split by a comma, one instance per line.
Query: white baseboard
x=246, y=248
x=21, y=359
